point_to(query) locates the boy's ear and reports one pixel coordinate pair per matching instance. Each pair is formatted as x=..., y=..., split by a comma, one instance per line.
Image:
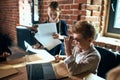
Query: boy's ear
x=90, y=39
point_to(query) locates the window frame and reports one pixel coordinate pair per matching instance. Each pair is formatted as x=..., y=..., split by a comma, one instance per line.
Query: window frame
x=35, y=10
x=110, y=31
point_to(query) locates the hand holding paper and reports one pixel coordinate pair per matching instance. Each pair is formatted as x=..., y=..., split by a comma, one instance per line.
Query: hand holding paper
x=45, y=35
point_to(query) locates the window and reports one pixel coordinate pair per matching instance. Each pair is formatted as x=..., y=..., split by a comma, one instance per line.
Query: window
x=113, y=22
x=28, y=12
x=35, y=11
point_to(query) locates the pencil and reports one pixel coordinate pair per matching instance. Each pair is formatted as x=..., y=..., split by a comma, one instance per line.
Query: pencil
x=59, y=52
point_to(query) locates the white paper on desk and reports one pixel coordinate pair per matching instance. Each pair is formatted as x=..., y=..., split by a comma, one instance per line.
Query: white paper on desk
x=93, y=77
x=43, y=54
x=44, y=35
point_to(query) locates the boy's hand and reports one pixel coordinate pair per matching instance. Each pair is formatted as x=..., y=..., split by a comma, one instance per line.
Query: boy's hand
x=59, y=57
x=68, y=45
x=5, y=54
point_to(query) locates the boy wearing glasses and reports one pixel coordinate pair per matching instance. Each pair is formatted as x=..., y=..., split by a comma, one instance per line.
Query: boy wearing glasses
x=82, y=56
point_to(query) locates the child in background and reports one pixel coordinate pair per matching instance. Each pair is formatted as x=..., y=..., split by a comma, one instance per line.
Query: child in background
x=54, y=12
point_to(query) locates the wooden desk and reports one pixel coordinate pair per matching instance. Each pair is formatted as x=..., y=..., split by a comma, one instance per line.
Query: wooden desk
x=59, y=69
x=18, y=65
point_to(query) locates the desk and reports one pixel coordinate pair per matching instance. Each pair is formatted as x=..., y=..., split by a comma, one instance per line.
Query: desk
x=59, y=69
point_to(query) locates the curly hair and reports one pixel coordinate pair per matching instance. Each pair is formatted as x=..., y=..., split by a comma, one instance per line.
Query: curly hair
x=85, y=28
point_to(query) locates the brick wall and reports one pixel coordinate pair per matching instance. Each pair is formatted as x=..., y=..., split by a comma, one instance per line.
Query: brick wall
x=72, y=11
x=9, y=17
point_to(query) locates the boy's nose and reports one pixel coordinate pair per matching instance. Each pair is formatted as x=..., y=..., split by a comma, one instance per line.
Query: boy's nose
x=53, y=16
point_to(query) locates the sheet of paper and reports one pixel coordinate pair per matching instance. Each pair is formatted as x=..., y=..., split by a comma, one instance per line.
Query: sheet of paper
x=43, y=54
x=44, y=35
x=93, y=77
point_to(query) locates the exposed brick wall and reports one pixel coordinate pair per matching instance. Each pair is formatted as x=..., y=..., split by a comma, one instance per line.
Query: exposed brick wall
x=72, y=11
x=112, y=47
x=9, y=17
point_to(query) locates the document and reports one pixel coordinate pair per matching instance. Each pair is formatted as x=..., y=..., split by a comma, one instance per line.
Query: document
x=43, y=54
x=93, y=77
x=44, y=35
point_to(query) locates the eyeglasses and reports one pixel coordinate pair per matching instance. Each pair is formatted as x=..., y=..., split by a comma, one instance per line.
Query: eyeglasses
x=53, y=14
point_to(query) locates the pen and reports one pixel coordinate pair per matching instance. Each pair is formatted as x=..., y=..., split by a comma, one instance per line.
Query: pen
x=59, y=52
x=57, y=57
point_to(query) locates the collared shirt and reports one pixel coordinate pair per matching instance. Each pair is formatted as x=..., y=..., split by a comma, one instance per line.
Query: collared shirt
x=81, y=62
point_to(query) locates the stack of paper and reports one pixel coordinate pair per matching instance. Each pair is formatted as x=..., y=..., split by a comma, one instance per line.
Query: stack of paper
x=43, y=54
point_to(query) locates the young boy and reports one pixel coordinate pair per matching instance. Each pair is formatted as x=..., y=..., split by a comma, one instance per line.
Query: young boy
x=82, y=56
